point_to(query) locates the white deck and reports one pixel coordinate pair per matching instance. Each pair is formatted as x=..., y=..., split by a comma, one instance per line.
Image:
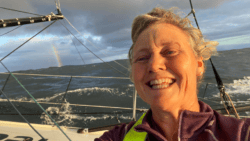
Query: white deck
x=14, y=129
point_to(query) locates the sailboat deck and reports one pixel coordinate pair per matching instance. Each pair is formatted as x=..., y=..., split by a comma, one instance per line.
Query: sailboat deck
x=20, y=131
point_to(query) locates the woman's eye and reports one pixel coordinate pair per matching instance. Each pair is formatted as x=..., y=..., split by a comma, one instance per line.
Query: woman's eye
x=170, y=52
x=143, y=58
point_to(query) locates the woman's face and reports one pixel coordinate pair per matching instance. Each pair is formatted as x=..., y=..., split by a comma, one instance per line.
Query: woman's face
x=165, y=68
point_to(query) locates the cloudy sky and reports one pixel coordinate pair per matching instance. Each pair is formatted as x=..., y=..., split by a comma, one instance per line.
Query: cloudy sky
x=105, y=26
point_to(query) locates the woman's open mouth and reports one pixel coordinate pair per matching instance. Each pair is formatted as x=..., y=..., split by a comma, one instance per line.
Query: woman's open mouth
x=160, y=83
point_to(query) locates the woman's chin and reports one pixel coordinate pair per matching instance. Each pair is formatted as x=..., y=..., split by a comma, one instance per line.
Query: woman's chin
x=162, y=96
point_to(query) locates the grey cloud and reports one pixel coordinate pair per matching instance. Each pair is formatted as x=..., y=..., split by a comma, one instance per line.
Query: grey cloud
x=243, y=30
x=101, y=17
x=197, y=4
x=63, y=43
x=75, y=42
x=112, y=19
x=122, y=35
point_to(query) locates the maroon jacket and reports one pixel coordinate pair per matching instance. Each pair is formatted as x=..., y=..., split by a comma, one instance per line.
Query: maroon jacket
x=206, y=125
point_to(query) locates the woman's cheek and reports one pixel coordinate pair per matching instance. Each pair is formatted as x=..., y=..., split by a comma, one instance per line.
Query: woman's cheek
x=180, y=65
x=139, y=71
x=135, y=73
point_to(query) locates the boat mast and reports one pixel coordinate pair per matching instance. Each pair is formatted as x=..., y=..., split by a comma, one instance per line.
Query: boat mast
x=31, y=20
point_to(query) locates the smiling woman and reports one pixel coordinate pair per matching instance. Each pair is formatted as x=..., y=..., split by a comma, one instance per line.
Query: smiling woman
x=167, y=64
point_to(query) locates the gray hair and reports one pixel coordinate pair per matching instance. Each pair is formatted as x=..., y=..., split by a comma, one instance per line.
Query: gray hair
x=201, y=47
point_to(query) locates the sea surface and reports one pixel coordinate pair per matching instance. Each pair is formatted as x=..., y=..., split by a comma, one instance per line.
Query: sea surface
x=233, y=66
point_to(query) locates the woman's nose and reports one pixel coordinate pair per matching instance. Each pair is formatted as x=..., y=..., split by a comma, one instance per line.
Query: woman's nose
x=156, y=63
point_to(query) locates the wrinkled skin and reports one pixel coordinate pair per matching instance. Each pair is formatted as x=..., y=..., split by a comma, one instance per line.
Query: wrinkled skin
x=163, y=51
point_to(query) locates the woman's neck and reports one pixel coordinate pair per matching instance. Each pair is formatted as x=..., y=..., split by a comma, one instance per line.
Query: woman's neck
x=168, y=120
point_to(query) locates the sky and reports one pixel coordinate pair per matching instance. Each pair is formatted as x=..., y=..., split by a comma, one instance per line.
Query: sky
x=105, y=27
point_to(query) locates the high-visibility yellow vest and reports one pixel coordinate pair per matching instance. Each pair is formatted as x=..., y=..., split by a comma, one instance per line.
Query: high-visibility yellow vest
x=132, y=135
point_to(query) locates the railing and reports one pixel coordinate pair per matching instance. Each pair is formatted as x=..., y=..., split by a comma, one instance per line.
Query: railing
x=99, y=106
x=221, y=111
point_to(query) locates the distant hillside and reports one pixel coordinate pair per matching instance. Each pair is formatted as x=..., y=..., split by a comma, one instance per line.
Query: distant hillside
x=231, y=59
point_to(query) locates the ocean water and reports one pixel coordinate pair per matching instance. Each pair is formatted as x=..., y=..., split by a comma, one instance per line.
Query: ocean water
x=233, y=67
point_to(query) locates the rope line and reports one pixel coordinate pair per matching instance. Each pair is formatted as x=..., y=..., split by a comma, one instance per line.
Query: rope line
x=188, y=14
x=92, y=43
x=22, y=115
x=223, y=94
x=11, y=30
x=20, y=11
x=94, y=53
x=192, y=10
x=34, y=99
x=59, y=4
x=64, y=97
x=76, y=47
x=5, y=83
x=68, y=76
x=27, y=41
x=22, y=85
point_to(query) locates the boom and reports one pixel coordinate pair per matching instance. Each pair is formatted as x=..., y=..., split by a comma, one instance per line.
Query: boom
x=30, y=20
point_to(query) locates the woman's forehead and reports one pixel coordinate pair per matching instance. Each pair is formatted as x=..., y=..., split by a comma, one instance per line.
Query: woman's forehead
x=161, y=34
x=139, y=49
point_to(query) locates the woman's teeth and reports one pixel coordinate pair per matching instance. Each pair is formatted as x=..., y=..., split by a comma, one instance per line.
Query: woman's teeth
x=159, y=81
x=159, y=86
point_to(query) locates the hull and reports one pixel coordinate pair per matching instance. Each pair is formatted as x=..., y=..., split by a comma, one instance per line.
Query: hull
x=21, y=131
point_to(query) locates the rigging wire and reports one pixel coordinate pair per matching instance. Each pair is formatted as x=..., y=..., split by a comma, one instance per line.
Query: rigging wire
x=90, y=41
x=221, y=87
x=22, y=115
x=193, y=12
x=26, y=41
x=5, y=83
x=20, y=82
x=11, y=30
x=20, y=11
x=93, y=44
x=59, y=4
x=34, y=99
x=56, y=4
x=67, y=76
x=77, y=49
x=94, y=53
x=22, y=85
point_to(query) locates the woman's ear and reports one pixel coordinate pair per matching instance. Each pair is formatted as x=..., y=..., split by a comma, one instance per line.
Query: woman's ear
x=200, y=66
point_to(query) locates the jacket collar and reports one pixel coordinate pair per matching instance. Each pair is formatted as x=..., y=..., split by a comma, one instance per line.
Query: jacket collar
x=190, y=123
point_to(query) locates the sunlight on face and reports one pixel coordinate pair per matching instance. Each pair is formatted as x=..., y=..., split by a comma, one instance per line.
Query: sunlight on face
x=162, y=51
